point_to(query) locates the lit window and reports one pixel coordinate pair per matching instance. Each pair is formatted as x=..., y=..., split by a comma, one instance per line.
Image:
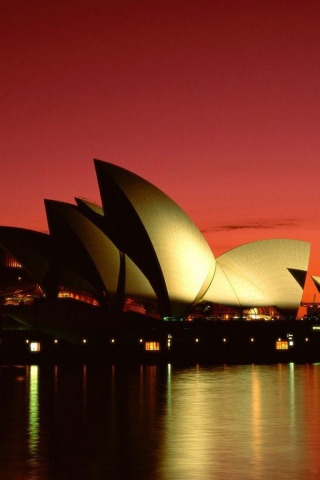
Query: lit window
x=34, y=347
x=281, y=345
x=155, y=346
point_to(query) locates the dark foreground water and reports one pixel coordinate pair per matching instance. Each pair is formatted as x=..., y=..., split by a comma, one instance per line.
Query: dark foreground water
x=159, y=422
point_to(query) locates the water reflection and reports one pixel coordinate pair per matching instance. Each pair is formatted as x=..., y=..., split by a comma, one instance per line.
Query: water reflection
x=256, y=422
x=238, y=422
x=33, y=420
x=159, y=422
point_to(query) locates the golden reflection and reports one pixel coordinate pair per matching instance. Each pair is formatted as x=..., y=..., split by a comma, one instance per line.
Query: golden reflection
x=225, y=422
x=188, y=413
x=311, y=395
x=169, y=392
x=292, y=398
x=256, y=420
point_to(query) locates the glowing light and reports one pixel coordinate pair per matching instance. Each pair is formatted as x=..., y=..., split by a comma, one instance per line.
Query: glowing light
x=84, y=340
x=35, y=347
x=280, y=345
x=154, y=346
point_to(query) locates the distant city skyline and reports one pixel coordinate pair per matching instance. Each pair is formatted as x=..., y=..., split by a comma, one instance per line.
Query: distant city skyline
x=216, y=103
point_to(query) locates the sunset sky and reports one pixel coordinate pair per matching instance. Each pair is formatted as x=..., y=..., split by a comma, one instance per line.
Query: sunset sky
x=216, y=102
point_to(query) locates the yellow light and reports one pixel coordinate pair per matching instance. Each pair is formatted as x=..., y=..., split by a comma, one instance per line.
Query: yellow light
x=141, y=340
x=281, y=345
x=55, y=341
x=251, y=339
x=224, y=340
x=196, y=340
x=155, y=346
x=112, y=340
x=84, y=340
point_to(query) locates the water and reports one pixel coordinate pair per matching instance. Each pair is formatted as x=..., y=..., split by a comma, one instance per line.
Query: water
x=159, y=422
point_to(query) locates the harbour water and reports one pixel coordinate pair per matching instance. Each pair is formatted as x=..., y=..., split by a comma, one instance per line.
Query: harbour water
x=159, y=422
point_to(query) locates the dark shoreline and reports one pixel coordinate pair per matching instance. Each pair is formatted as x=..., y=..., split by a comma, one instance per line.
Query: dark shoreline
x=180, y=343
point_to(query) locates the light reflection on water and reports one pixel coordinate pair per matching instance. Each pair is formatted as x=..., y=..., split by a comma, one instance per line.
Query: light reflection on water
x=159, y=422
x=33, y=419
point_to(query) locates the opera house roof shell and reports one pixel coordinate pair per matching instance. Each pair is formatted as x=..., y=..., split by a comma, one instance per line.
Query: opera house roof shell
x=140, y=244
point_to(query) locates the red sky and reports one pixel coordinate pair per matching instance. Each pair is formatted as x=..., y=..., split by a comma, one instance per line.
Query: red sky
x=217, y=102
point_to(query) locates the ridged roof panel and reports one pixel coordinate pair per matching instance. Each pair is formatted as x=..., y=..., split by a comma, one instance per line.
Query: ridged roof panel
x=259, y=272
x=167, y=236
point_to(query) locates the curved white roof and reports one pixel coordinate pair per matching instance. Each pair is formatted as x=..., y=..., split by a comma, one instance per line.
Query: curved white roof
x=261, y=273
x=186, y=261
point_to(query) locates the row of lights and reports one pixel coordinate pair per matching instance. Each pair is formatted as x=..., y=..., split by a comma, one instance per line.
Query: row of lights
x=35, y=346
x=224, y=340
x=252, y=340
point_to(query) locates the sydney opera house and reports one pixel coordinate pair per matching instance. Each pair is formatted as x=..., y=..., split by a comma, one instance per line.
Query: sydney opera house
x=136, y=267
